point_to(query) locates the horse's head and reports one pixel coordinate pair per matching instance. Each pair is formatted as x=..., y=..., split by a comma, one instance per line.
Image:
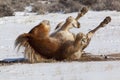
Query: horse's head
x=73, y=22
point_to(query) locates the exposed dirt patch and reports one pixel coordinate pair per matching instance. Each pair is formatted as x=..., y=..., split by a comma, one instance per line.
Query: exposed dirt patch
x=85, y=58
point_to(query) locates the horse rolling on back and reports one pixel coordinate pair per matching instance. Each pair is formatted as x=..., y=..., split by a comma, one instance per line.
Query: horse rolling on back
x=39, y=46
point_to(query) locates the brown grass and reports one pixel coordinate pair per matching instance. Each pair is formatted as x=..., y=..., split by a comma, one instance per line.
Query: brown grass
x=64, y=6
x=5, y=10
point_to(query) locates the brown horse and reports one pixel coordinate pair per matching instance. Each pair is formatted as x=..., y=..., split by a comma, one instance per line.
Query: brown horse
x=39, y=45
x=29, y=51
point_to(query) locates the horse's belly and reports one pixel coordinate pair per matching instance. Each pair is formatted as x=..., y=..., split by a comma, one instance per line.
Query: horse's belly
x=66, y=35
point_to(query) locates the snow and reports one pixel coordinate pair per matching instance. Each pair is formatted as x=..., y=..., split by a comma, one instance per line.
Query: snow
x=28, y=8
x=25, y=13
x=62, y=71
x=105, y=41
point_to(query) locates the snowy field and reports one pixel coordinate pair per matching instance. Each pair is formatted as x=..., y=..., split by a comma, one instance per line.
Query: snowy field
x=105, y=41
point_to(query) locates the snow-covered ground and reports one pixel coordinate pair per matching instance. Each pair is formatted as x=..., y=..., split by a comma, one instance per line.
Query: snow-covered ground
x=105, y=41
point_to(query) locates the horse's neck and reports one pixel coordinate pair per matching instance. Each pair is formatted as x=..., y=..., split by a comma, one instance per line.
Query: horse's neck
x=43, y=35
x=45, y=46
x=40, y=32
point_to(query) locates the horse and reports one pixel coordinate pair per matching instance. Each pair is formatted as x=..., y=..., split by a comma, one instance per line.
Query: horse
x=40, y=46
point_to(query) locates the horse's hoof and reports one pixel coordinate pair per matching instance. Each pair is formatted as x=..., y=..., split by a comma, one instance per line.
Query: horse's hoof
x=107, y=20
x=84, y=10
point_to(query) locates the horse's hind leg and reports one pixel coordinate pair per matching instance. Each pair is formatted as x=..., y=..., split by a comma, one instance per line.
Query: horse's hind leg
x=92, y=32
x=102, y=24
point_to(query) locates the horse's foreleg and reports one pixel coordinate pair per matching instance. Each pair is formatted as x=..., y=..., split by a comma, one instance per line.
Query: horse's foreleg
x=82, y=13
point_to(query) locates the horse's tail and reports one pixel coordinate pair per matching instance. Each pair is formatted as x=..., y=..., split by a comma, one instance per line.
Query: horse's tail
x=29, y=53
x=22, y=40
